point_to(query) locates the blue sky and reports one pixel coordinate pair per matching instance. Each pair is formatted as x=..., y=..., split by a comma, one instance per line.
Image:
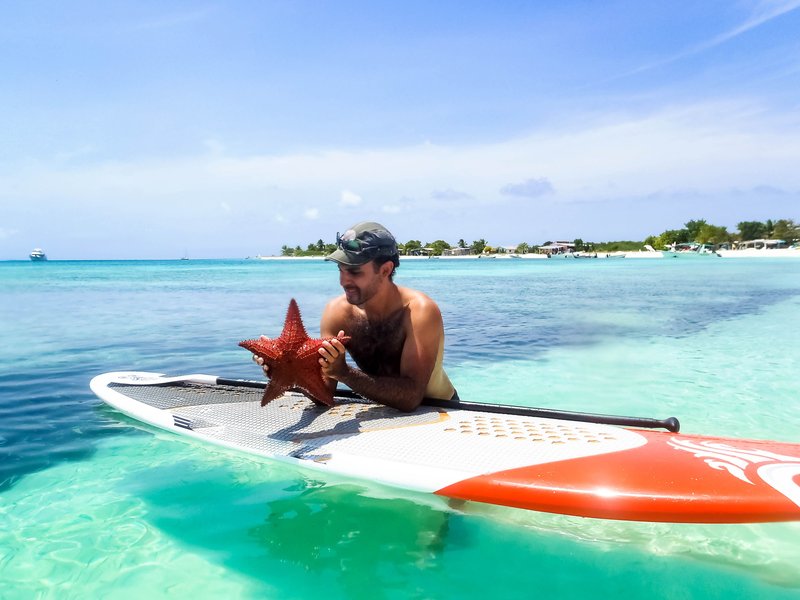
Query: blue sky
x=228, y=129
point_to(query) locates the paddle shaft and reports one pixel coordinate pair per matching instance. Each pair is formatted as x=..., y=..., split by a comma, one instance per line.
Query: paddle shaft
x=670, y=424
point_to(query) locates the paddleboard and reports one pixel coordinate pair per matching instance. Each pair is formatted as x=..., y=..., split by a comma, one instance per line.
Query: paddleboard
x=542, y=464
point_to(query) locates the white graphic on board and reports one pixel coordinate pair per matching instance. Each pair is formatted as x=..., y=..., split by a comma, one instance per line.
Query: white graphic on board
x=776, y=470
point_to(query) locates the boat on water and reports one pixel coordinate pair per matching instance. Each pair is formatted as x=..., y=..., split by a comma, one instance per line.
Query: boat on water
x=690, y=250
x=647, y=252
x=762, y=249
x=38, y=255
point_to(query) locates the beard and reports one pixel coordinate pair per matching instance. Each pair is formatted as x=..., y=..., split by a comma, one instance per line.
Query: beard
x=358, y=296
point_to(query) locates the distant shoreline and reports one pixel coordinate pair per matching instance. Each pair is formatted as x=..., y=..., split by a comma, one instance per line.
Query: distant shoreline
x=404, y=257
x=779, y=253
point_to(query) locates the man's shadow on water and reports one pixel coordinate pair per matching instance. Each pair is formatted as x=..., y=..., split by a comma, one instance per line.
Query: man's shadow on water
x=365, y=541
x=274, y=532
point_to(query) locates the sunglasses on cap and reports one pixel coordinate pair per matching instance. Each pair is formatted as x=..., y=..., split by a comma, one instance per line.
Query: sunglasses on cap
x=368, y=247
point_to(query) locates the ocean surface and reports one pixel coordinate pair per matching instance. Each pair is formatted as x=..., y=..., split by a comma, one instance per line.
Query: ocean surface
x=92, y=506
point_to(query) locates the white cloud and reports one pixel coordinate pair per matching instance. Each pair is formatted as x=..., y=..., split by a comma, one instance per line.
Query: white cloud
x=349, y=198
x=226, y=208
x=710, y=147
x=531, y=188
x=763, y=12
x=178, y=19
x=449, y=194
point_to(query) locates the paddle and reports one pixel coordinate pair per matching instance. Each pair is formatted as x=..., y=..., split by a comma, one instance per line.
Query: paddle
x=670, y=424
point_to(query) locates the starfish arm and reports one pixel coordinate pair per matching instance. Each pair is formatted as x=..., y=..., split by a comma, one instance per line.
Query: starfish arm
x=263, y=347
x=272, y=392
x=281, y=381
x=317, y=389
x=294, y=332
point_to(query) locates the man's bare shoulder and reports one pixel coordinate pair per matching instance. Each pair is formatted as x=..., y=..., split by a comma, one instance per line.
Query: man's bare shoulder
x=338, y=304
x=337, y=315
x=419, y=302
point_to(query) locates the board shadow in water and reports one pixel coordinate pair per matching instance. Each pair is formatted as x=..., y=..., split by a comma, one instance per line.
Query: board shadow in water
x=302, y=538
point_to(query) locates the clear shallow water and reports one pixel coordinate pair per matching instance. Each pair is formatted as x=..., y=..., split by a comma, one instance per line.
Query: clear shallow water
x=94, y=507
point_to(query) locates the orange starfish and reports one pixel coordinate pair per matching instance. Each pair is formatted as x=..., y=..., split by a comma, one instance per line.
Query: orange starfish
x=293, y=360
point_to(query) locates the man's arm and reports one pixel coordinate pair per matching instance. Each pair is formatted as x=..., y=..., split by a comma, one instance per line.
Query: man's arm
x=424, y=332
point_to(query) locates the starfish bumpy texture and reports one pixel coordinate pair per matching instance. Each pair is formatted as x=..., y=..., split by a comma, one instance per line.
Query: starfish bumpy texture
x=293, y=360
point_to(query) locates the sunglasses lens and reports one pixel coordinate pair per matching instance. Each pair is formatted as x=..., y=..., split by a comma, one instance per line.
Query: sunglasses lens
x=351, y=244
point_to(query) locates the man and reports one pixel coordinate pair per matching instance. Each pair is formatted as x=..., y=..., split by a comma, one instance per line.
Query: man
x=397, y=334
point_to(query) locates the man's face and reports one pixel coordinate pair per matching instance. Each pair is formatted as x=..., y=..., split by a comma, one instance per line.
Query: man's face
x=359, y=283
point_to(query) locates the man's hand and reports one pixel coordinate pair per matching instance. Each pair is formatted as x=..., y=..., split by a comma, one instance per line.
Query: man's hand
x=332, y=358
x=260, y=361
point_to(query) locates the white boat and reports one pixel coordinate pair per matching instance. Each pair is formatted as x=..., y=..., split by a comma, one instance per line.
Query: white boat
x=762, y=249
x=690, y=250
x=38, y=255
x=648, y=252
x=528, y=256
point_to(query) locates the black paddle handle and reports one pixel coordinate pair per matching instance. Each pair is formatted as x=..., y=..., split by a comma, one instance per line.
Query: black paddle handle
x=670, y=424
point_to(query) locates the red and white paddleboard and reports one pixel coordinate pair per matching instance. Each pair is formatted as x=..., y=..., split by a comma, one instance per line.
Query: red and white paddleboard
x=543, y=464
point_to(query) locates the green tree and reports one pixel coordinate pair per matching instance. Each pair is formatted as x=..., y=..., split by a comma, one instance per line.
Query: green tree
x=619, y=246
x=654, y=241
x=693, y=228
x=462, y=243
x=478, y=246
x=411, y=246
x=712, y=234
x=675, y=236
x=523, y=248
x=786, y=229
x=578, y=243
x=751, y=230
x=439, y=246
x=286, y=251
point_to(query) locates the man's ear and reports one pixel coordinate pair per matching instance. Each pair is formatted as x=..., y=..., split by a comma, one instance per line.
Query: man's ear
x=386, y=268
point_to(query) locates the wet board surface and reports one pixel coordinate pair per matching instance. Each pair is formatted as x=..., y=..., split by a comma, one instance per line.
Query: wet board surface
x=543, y=464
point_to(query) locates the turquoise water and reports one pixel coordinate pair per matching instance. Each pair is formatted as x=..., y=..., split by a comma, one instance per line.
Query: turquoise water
x=92, y=506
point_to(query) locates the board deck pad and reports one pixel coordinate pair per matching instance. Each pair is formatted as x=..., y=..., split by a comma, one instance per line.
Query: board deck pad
x=551, y=465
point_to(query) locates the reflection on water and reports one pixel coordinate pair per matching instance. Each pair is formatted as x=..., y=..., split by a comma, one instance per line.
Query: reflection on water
x=330, y=529
x=281, y=530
